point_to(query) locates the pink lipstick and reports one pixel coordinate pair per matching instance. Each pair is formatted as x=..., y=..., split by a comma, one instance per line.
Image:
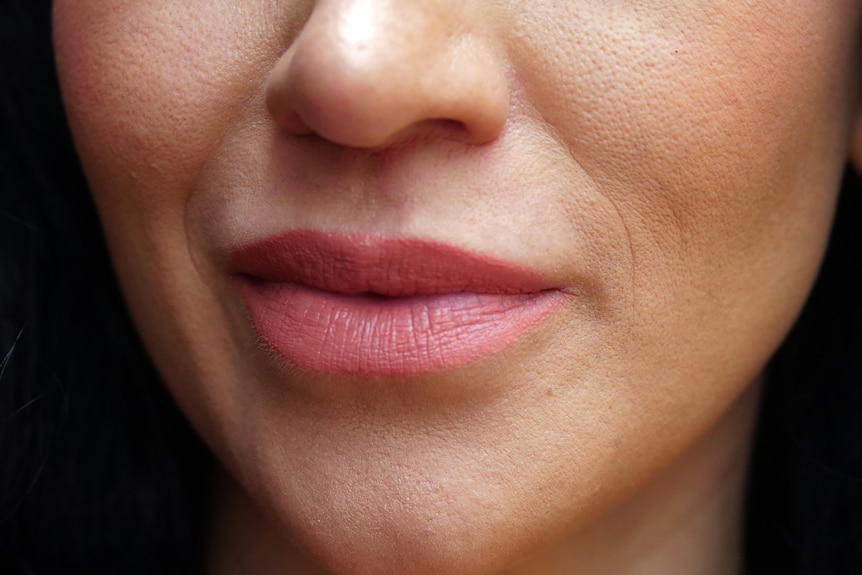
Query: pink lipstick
x=374, y=306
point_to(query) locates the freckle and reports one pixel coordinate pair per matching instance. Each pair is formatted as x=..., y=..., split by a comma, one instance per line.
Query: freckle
x=549, y=392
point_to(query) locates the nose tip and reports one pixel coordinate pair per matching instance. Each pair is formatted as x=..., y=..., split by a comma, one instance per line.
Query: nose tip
x=371, y=73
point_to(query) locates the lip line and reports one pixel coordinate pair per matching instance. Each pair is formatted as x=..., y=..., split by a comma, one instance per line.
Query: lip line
x=371, y=264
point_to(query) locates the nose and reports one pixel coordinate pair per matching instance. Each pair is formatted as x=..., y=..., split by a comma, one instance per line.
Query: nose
x=371, y=73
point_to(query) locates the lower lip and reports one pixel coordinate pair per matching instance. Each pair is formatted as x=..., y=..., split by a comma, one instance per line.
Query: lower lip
x=388, y=337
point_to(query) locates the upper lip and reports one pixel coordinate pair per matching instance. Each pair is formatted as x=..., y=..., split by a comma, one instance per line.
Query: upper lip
x=354, y=263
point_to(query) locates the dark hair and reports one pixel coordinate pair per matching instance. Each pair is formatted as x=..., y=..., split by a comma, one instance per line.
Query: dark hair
x=804, y=503
x=99, y=473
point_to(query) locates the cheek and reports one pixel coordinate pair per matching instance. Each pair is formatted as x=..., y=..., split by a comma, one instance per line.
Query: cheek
x=716, y=131
x=150, y=87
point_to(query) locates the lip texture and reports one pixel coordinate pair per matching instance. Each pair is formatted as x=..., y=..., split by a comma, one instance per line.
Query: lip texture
x=368, y=305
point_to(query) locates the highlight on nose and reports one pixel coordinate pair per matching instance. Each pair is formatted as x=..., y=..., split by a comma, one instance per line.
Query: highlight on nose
x=371, y=73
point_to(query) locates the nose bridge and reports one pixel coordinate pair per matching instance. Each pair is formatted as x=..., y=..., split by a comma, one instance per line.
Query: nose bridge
x=365, y=73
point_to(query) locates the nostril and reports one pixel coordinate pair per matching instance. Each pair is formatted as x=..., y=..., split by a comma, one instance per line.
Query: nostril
x=455, y=128
x=433, y=129
x=294, y=124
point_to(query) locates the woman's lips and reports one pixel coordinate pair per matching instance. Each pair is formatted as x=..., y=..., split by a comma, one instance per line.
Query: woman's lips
x=367, y=305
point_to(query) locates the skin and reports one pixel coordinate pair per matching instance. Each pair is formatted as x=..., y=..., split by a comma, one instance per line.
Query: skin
x=673, y=164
